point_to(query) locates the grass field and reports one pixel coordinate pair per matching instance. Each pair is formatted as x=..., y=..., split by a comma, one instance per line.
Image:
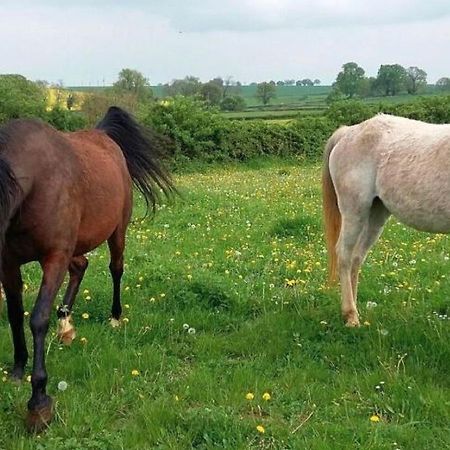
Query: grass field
x=231, y=339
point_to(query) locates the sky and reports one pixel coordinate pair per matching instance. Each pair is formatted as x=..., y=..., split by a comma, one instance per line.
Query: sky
x=89, y=42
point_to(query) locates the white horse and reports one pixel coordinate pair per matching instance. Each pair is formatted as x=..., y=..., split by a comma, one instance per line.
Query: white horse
x=385, y=165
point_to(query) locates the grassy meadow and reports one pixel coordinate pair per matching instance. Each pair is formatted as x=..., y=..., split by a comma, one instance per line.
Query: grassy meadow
x=231, y=339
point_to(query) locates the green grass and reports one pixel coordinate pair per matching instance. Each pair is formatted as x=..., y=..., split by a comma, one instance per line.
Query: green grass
x=221, y=261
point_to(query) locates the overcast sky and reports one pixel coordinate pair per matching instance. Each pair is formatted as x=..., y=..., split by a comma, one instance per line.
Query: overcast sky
x=88, y=42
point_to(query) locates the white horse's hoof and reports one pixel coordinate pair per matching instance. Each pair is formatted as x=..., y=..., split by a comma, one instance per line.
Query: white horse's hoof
x=352, y=323
x=66, y=331
x=114, y=323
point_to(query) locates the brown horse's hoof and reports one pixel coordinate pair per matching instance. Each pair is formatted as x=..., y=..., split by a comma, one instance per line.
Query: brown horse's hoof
x=38, y=420
x=66, y=330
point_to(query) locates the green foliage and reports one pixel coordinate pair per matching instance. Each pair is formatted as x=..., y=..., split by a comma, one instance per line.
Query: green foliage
x=443, y=84
x=233, y=103
x=20, y=97
x=133, y=83
x=349, y=112
x=433, y=109
x=189, y=86
x=200, y=133
x=349, y=79
x=391, y=78
x=416, y=80
x=265, y=92
x=65, y=120
x=211, y=93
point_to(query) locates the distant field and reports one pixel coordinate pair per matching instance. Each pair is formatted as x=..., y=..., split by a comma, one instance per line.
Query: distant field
x=290, y=101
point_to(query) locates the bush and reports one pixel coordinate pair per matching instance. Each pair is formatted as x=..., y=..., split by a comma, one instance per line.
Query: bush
x=202, y=133
x=65, y=120
x=233, y=103
x=20, y=97
x=350, y=112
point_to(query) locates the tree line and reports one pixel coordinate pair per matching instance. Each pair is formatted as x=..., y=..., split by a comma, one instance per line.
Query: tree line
x=391, y=79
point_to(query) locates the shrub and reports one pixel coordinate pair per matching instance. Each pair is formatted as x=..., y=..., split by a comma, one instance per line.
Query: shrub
x=350, y=112
x=65, y=120
x=233, y=103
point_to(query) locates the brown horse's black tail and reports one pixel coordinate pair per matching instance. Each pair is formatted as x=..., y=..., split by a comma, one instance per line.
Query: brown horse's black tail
x=142, y=150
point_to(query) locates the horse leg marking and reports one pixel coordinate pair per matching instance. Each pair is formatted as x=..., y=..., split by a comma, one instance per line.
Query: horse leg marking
x=66, y=330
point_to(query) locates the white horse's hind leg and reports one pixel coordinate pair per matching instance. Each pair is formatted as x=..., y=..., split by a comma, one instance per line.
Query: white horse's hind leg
x=351, y=232
x=377, y=218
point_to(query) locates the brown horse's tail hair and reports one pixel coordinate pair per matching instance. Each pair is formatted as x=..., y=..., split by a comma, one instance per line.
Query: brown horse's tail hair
x=142, y=149
x=331, y=213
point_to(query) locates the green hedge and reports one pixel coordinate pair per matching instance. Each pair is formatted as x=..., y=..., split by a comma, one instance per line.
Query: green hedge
x=200, y=133
x=197, y=132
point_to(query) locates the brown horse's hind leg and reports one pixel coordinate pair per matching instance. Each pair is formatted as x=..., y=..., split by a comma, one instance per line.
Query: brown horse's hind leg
x=116, y=245
x=54, y=267
x=66, y=330
x=12, y=284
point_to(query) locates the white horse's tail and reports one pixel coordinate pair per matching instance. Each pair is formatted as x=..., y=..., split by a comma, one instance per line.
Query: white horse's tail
x=331, y=213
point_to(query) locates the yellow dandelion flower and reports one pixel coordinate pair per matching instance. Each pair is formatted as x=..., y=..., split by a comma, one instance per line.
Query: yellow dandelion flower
x=250, y=396
x=83, y=340
x=85, y=315
x=261, y=429
x=125, y=320
x=266, y=396
x=135, y=373
x=375, y=418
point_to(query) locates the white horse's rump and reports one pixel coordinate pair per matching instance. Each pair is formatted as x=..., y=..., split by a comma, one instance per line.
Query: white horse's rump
x=385, y=165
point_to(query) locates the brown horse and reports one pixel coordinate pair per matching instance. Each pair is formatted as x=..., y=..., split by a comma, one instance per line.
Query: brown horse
x=62, y=195
x=385, y=165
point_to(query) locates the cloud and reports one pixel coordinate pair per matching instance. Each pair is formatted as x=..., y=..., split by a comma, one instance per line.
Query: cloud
x=260, y=15
x=88, y=42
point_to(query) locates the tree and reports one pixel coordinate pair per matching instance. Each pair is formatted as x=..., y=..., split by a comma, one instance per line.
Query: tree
x=133, y=82
x=266, y=91
x=20, y=97
x=349, y=79
x=307, y=82
x=416, y=79
x=233, y=103
x=189, y=86
x=317, y=82
x=443, y=84
x=211, y=92
x=391, y=78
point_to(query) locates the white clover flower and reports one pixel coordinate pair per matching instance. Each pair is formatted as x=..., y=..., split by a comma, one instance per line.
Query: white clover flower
x=191, y=330
x=62, y=385
x=186, y=326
